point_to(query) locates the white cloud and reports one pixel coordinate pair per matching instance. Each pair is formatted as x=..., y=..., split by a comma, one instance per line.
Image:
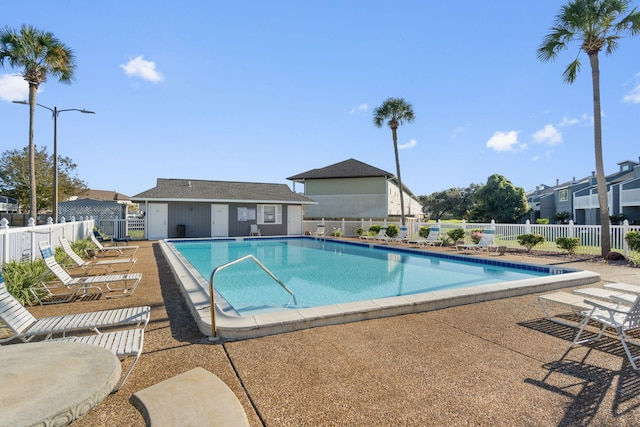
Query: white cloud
x=13, y=87
x=412, y=143
x=568, y=122
x=504, y=141
x=457, y=131
x=589, y=119
x=142, y=68
x=633, y=97
x=548, y=135
x=360, y=108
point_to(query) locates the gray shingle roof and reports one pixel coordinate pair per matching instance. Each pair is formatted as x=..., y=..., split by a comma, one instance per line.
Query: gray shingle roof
x=350, y=168
x=200, y=190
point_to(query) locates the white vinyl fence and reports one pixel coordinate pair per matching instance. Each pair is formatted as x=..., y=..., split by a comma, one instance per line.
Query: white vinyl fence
x=21, y=243
x=506, y=234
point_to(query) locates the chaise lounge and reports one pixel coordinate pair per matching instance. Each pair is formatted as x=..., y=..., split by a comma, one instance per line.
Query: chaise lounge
x=67, y=288
x=486, y=241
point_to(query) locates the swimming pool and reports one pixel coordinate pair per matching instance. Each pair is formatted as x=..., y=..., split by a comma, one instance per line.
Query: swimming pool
x=337, y=281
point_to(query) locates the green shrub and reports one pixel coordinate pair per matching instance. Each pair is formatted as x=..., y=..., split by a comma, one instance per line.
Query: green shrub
x=374, y=229
x=542, y=221
x=424, y=231
x=633, y=240
x=617, y=219
x=336, y=232
x=476, y=235
x=360, y=231
x=80, y=246
x=530, y=240
x=446, y=240
x=568, y=244
x=20, y=276
x=392, y=230
x=456, y=234
x=562, y=217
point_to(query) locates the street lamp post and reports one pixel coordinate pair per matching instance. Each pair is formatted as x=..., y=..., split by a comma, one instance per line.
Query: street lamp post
x=55, y=112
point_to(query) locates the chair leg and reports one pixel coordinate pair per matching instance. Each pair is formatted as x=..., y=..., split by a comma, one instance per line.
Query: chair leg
x=623, y=339
x=583, y=325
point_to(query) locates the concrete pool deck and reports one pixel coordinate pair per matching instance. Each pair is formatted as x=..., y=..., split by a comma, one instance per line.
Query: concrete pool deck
x=493, y=363
x=195, y=290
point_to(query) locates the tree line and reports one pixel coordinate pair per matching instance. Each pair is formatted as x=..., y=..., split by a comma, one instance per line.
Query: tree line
x=15, y=182
x=497, y=200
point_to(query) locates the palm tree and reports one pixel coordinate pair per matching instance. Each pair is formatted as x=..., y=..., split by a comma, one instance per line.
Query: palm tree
x=37, y=53
x=596, y=25
x=394, y=111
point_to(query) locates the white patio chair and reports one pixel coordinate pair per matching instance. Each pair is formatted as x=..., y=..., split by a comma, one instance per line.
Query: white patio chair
x=22, y=325
x=622, y=319
x=112, y=250
x=432, y=239
x=486, y=241
x=72, y=286
x=118, y=265
x=255, y=231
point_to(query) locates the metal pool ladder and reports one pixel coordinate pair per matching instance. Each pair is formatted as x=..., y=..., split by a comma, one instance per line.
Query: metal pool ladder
x=229, y=264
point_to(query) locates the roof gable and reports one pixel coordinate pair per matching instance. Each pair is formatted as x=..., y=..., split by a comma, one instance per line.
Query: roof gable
x=350, y=168
x=185, y=189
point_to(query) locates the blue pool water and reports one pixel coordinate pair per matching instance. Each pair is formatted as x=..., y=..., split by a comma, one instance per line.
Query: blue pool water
x=323, y=273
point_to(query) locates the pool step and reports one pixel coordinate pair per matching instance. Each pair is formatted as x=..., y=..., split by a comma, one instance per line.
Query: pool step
x=194, y=398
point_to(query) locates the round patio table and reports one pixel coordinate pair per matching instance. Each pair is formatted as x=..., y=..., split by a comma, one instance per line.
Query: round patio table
x=53, y=382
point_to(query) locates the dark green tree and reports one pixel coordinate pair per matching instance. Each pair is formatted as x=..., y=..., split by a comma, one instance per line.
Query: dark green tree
x=499, y=200
x=38, y=53
x=14, y=177
x=456, y=202
x=595, y=25
x=395, y=111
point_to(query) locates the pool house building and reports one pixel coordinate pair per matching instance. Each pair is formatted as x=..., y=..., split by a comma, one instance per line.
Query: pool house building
x=177, y=208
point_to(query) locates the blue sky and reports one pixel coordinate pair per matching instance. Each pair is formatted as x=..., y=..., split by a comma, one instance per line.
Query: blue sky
x=259, y=91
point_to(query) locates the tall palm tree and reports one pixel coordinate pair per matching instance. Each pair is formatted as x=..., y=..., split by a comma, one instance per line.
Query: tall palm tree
x=395, y=111
x=596, y=25
x=37, y=53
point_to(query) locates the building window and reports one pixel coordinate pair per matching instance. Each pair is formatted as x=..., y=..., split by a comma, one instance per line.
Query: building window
x=269, y=214
x=563, y=195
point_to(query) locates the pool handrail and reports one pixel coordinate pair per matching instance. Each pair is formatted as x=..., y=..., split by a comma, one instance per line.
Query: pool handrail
x=229, y=264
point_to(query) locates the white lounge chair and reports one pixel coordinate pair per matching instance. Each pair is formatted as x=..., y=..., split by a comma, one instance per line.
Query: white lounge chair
x=118, y=265
x=72, y=286
x=112, y=250
x=123, y=344
x=382, y=235
x=621, y=318
x=320, y=231
x=255, y=231
x=575, y=301
x=401, y=237
x=623, y=287
x=24, y=326
x=486, y=241
x=432, y=239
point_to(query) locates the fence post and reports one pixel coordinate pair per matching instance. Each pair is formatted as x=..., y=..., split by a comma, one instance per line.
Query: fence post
x=4, y=226
x=493, y=224
x=32, y=224
x=343, y=226
x=572, y=229
x=527, y=227
x=625, y=230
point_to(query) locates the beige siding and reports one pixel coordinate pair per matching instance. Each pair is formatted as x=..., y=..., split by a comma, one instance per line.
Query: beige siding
x=376, y=185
